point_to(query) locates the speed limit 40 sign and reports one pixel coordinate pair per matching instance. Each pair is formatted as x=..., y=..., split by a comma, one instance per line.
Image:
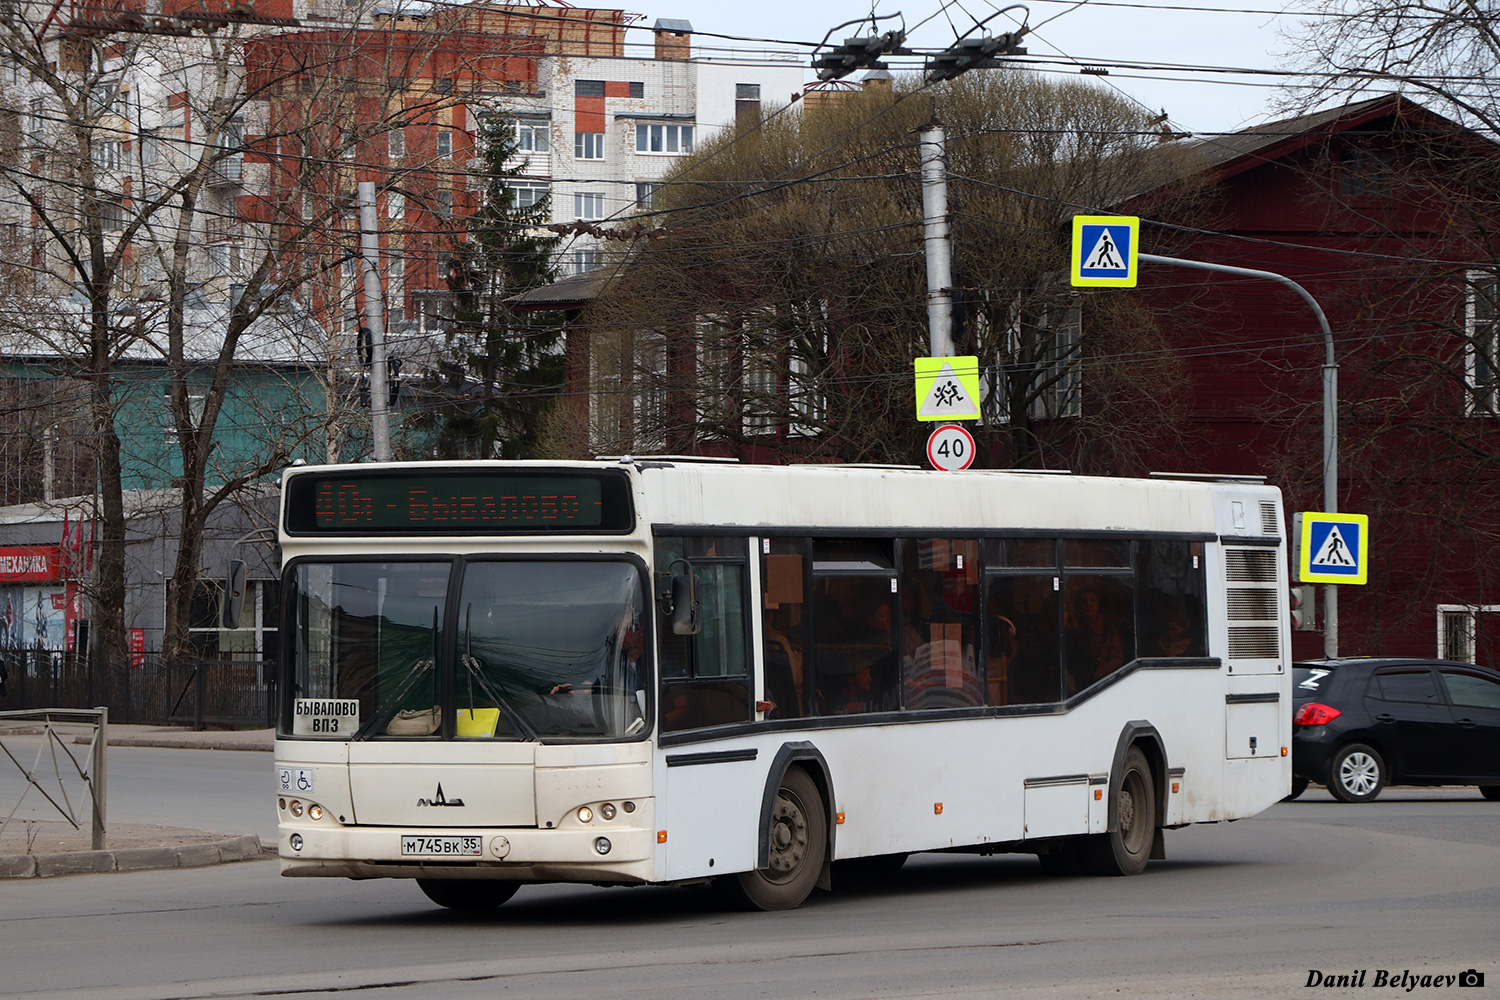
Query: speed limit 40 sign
x=950, y=448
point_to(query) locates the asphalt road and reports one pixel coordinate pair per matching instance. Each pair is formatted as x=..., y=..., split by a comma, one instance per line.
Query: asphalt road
x=1410, y=883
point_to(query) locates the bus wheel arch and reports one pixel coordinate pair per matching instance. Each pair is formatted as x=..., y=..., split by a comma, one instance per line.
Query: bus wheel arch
x=796, y=811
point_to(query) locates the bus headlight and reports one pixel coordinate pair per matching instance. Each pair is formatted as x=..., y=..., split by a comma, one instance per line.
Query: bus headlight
x=585, y=814
x=295, y=840
x=602, y=845
x=295, y=807
x=315, y=812
x=607, y=810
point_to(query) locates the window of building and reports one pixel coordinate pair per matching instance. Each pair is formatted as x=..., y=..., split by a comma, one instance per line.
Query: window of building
x=637, y=89
x=588, y=205
x=533, y=137
x=528, y=194
x=645, y=193
x=444, y=142
x=670, y=139
x=257, y=638
x=395, y=205
x=588, y=145
x=396, y=143
x=37, y=124
x=1482, y=341
x=746, y=103
x=585, y=260
x=443, y=86
x=588, y=88
x=1365, y=172
x=111, y=214
x=150, y=148
x=108, y=154
x=442, y=203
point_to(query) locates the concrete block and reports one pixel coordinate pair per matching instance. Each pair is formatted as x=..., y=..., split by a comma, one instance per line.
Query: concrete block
x=78, y=862
x=137, y=859
x=18, y=866
x=197, y=855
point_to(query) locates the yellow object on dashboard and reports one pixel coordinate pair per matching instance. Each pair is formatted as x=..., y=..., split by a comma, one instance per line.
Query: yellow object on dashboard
x=478, y=721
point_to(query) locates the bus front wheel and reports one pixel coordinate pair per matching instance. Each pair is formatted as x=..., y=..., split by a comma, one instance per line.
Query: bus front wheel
x=467, y=894
x=1125, y=849
x=798, y=839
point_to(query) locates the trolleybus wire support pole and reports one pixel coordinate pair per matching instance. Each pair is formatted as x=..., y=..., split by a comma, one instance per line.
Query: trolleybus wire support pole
x=936, y=240
x=369, y=240
x=1330, y=418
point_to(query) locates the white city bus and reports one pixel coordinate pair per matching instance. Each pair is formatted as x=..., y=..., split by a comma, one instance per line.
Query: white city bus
x=669, y=671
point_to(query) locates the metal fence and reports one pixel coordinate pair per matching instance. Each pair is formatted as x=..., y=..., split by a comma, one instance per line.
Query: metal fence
x=200, y=693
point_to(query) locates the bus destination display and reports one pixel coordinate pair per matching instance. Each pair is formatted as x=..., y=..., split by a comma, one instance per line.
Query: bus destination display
x=478, y=504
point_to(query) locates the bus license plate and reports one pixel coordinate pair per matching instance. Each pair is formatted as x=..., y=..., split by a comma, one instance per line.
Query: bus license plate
x=442, y=847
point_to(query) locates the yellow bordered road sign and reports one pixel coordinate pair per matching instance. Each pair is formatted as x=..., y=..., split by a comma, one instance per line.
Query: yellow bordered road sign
x=947, y=388
x=1105, y=249
x=1334, y=548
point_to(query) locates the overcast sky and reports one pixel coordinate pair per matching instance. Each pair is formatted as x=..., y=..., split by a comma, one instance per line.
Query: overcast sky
x=1089, y=33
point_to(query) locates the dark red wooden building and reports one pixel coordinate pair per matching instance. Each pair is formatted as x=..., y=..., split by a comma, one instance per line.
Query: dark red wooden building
x=1384, y=212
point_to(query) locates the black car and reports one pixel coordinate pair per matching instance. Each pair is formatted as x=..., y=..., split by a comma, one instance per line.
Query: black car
x=1360, y=724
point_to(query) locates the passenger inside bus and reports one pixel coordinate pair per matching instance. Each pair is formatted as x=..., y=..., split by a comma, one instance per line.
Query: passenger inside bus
x=1095, y=641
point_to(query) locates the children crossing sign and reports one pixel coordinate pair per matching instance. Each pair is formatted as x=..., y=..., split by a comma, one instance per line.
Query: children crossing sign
x=1334, y=548
x=947, y=388
x=1105, y=249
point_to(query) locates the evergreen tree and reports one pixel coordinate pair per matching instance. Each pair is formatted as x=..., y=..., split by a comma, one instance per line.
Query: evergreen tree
x=504, y=371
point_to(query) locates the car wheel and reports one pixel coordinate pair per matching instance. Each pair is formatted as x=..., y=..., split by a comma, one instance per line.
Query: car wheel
x=1357, y=774
x=1299, y=785
x=1490, y=792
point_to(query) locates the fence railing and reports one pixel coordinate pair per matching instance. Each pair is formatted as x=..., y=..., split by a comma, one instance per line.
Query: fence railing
x=65, y=763
x=237, y=691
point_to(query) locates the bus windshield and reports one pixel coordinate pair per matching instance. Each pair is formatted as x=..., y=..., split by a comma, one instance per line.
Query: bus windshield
x=503, y=649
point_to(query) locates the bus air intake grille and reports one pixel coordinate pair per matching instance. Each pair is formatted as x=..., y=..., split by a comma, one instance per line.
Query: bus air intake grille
x=1246, y=605
x=1270, y=524
x=1253, y=642
x=1250, y=565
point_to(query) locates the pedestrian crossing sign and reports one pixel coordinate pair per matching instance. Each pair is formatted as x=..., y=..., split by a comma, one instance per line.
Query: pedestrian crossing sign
x=1334, y=548
x=948, y=388
x=1105, y=248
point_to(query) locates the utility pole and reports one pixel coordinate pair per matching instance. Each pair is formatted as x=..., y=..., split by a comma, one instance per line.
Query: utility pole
x=936, y=240
x=369, y=239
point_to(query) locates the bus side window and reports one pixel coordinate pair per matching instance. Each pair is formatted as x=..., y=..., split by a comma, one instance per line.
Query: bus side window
x=940, y=623
x=705, y=678
x=855, y=625
x=1172, y=602
x=784, y=625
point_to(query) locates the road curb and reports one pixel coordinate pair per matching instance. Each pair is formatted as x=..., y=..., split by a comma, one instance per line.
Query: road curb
x=133, y=859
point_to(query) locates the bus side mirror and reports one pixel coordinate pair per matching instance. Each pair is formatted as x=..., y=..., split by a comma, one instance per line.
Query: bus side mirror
x=234, y=594
x=685, y=605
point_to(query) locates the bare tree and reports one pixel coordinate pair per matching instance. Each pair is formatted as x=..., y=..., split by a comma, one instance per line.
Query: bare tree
x=181, y=202
x=776, y=304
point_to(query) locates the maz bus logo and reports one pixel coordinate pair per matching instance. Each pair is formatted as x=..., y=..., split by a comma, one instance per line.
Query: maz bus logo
x=440, y=799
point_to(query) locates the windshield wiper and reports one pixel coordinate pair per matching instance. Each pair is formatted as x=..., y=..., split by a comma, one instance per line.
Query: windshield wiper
x=392, y=705
x=475, y=670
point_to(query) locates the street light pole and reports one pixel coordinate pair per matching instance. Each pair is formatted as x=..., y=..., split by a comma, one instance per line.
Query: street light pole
x=1330, y=418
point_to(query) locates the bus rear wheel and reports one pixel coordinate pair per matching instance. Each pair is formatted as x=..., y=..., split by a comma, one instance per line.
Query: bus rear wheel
x=1126, y=849
x=467, y=894
x=798, y=837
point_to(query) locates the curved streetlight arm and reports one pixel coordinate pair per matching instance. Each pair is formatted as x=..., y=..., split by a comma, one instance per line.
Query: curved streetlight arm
x=1330, y=415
